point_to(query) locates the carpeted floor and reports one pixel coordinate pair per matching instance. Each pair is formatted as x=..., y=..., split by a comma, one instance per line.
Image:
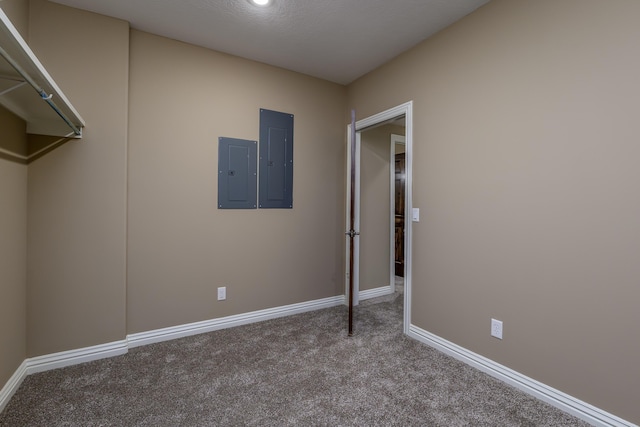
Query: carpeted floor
x=301, y=370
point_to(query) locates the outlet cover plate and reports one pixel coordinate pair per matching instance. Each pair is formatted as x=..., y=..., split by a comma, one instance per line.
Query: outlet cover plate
x=415, y=214
x=496, y=328
x=222, y=293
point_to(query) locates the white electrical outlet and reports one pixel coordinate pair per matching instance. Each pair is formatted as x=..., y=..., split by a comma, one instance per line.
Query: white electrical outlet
x=496, y=328
x=222, y=293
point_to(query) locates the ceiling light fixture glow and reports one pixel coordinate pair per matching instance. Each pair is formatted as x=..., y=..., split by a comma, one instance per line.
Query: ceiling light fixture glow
x=260, y=2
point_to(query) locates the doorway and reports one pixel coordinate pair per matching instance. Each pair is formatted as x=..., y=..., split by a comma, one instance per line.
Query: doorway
x=394, y=115
x=397, y=193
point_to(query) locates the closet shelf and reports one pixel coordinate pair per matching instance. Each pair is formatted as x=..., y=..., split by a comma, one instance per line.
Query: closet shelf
x=27, y=89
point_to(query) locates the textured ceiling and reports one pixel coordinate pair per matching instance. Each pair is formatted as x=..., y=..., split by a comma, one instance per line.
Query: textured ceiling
x=336, y=40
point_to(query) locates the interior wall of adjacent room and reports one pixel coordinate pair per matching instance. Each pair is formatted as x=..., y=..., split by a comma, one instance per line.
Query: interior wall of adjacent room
x=13, y=250
x=77, y=193
x=525, y=168
x=375, y=209
x=181, y=247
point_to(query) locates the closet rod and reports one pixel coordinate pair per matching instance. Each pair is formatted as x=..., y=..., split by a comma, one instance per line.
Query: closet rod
x=46, y=97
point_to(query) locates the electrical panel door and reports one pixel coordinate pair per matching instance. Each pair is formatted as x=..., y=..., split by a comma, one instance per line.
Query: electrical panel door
x=237, y=174
x=276, y=160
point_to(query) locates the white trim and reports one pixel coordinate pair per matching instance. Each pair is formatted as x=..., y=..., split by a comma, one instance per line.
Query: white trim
x=376, y=292
x=58, y=360
x=166, y=334
x=75, y=357
x=408, y=225
x=560, y=400
x=347, y=221
x=12, y=385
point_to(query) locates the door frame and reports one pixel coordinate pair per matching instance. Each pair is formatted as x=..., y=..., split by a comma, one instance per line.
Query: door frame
x=405, y=110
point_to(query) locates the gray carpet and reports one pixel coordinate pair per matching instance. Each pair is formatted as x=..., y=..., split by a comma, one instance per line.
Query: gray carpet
x=300, y=370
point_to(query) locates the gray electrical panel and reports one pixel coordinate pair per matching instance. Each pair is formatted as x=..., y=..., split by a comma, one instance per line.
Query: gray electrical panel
x=237, y=174
x=276, y=159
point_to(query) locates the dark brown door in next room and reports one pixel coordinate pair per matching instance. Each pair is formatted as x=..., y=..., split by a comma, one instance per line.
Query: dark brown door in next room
x=399, y=218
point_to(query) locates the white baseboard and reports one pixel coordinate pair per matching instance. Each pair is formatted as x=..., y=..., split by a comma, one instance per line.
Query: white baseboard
x=58, y=360
x=12, y=385
x=165, y=334
x=75, y=357
x=560, y=400
x=375, y=292
x=541, y=391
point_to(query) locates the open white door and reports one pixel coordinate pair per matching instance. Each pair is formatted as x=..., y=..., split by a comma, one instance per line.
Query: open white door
x=353, y=204
x=353, y=223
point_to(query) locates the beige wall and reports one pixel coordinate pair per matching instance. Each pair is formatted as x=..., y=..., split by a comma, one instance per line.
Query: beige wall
x=180, y=246
x=18, y=12
x=13, y=253
x=13, y=140
x=77, y=193
x=526, y=169
x=375, y=209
